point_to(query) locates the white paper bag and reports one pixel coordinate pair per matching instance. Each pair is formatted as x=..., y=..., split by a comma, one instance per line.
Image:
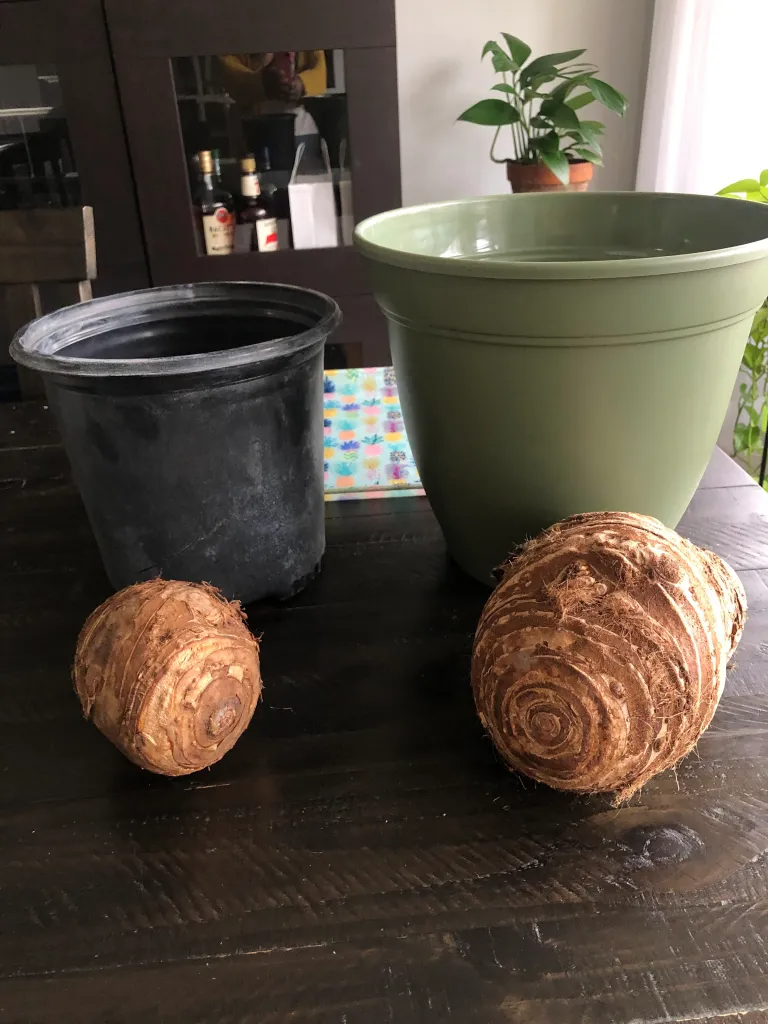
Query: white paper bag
x=313, y=206
x=345, y=196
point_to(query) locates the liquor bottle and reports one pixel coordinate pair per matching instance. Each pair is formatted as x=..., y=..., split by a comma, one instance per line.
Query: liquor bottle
x=257, y=208
x=216, y=209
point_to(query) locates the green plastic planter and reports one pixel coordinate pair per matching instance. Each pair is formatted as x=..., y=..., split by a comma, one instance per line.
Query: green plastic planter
x=564, y=352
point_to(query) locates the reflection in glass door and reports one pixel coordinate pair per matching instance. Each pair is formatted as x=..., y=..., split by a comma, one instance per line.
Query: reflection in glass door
x=266, y=138
x=37, y=168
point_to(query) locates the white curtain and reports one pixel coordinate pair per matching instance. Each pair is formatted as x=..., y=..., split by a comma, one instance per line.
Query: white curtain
x=704, y=120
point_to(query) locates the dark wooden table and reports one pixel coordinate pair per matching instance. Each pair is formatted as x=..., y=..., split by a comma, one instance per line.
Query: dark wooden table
x=361, y=855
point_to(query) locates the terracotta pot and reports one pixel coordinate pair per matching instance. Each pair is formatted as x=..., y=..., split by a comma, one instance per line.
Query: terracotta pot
x=538, y=178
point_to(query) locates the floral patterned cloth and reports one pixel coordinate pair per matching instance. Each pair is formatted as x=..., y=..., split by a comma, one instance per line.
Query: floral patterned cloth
x=367, y=454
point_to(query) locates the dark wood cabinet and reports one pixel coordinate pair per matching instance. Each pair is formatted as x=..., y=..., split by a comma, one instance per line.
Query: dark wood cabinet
x=149, y=39
x=62, y=143
x=61, y=133
x=96, y=107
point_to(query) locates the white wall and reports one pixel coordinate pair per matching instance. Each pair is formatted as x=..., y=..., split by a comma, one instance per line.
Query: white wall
x=440, y=74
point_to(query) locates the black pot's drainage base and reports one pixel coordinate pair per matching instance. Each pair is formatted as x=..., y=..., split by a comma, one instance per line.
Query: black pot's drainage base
x=301, y=583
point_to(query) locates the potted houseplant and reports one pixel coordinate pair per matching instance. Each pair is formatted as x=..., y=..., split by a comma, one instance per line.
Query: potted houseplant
x=752, y=408
x=539, y=98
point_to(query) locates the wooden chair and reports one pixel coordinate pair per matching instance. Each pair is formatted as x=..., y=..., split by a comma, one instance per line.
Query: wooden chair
x=47, y=260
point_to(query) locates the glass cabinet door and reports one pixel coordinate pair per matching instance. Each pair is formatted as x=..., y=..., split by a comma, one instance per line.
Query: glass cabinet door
x=62, y=141
x=37, y=166
x=259, y=135
x=276, y=127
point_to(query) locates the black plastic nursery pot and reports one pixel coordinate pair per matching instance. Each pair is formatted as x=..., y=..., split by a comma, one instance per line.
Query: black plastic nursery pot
x=193, y=420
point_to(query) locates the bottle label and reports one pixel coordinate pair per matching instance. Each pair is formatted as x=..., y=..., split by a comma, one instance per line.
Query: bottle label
x=266, y=235
x=219, y=232
x=249, y=185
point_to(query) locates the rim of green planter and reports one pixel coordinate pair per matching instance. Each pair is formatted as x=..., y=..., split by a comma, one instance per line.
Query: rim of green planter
x=478, y=265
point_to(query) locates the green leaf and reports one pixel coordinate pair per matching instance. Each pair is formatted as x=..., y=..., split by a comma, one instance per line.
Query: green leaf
x=746, y=437
x=549, y=105
x=490, y=112
x=564, y=117
x=587, y=138
x=577, y=102
x=531, y=92
x=754, y=415
x=595, y=147
x=756, y=197
x=589, y=154
x=743, y=390
x=764, y=418
x=537, y=75
x=751, y=356
x=759, y=329
x=539, y=121
x=519, y=51
x=550, y=60
x=596, y=127
x=764, y=177
x=740, y=438
x=745, y=185
x=557, y=162
x=505, y=87
x=501, y=61
x=546, y=143
x=543, y=78
x=607, y=95
x=559, y=94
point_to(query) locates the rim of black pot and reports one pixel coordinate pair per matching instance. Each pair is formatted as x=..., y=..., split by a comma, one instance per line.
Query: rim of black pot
x=40, y=344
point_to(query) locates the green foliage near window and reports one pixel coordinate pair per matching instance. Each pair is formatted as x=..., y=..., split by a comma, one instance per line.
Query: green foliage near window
x=752, y=417
x=539, y=101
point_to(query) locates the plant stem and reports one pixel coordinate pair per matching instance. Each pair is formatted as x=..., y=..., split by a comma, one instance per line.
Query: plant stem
x=511, y=104
x=755, y=382
x=520, y=142
x=525, y=131
x=752, y=392
x=496, y=159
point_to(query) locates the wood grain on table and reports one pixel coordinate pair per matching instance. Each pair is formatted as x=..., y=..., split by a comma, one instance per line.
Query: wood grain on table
x=361, y=855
